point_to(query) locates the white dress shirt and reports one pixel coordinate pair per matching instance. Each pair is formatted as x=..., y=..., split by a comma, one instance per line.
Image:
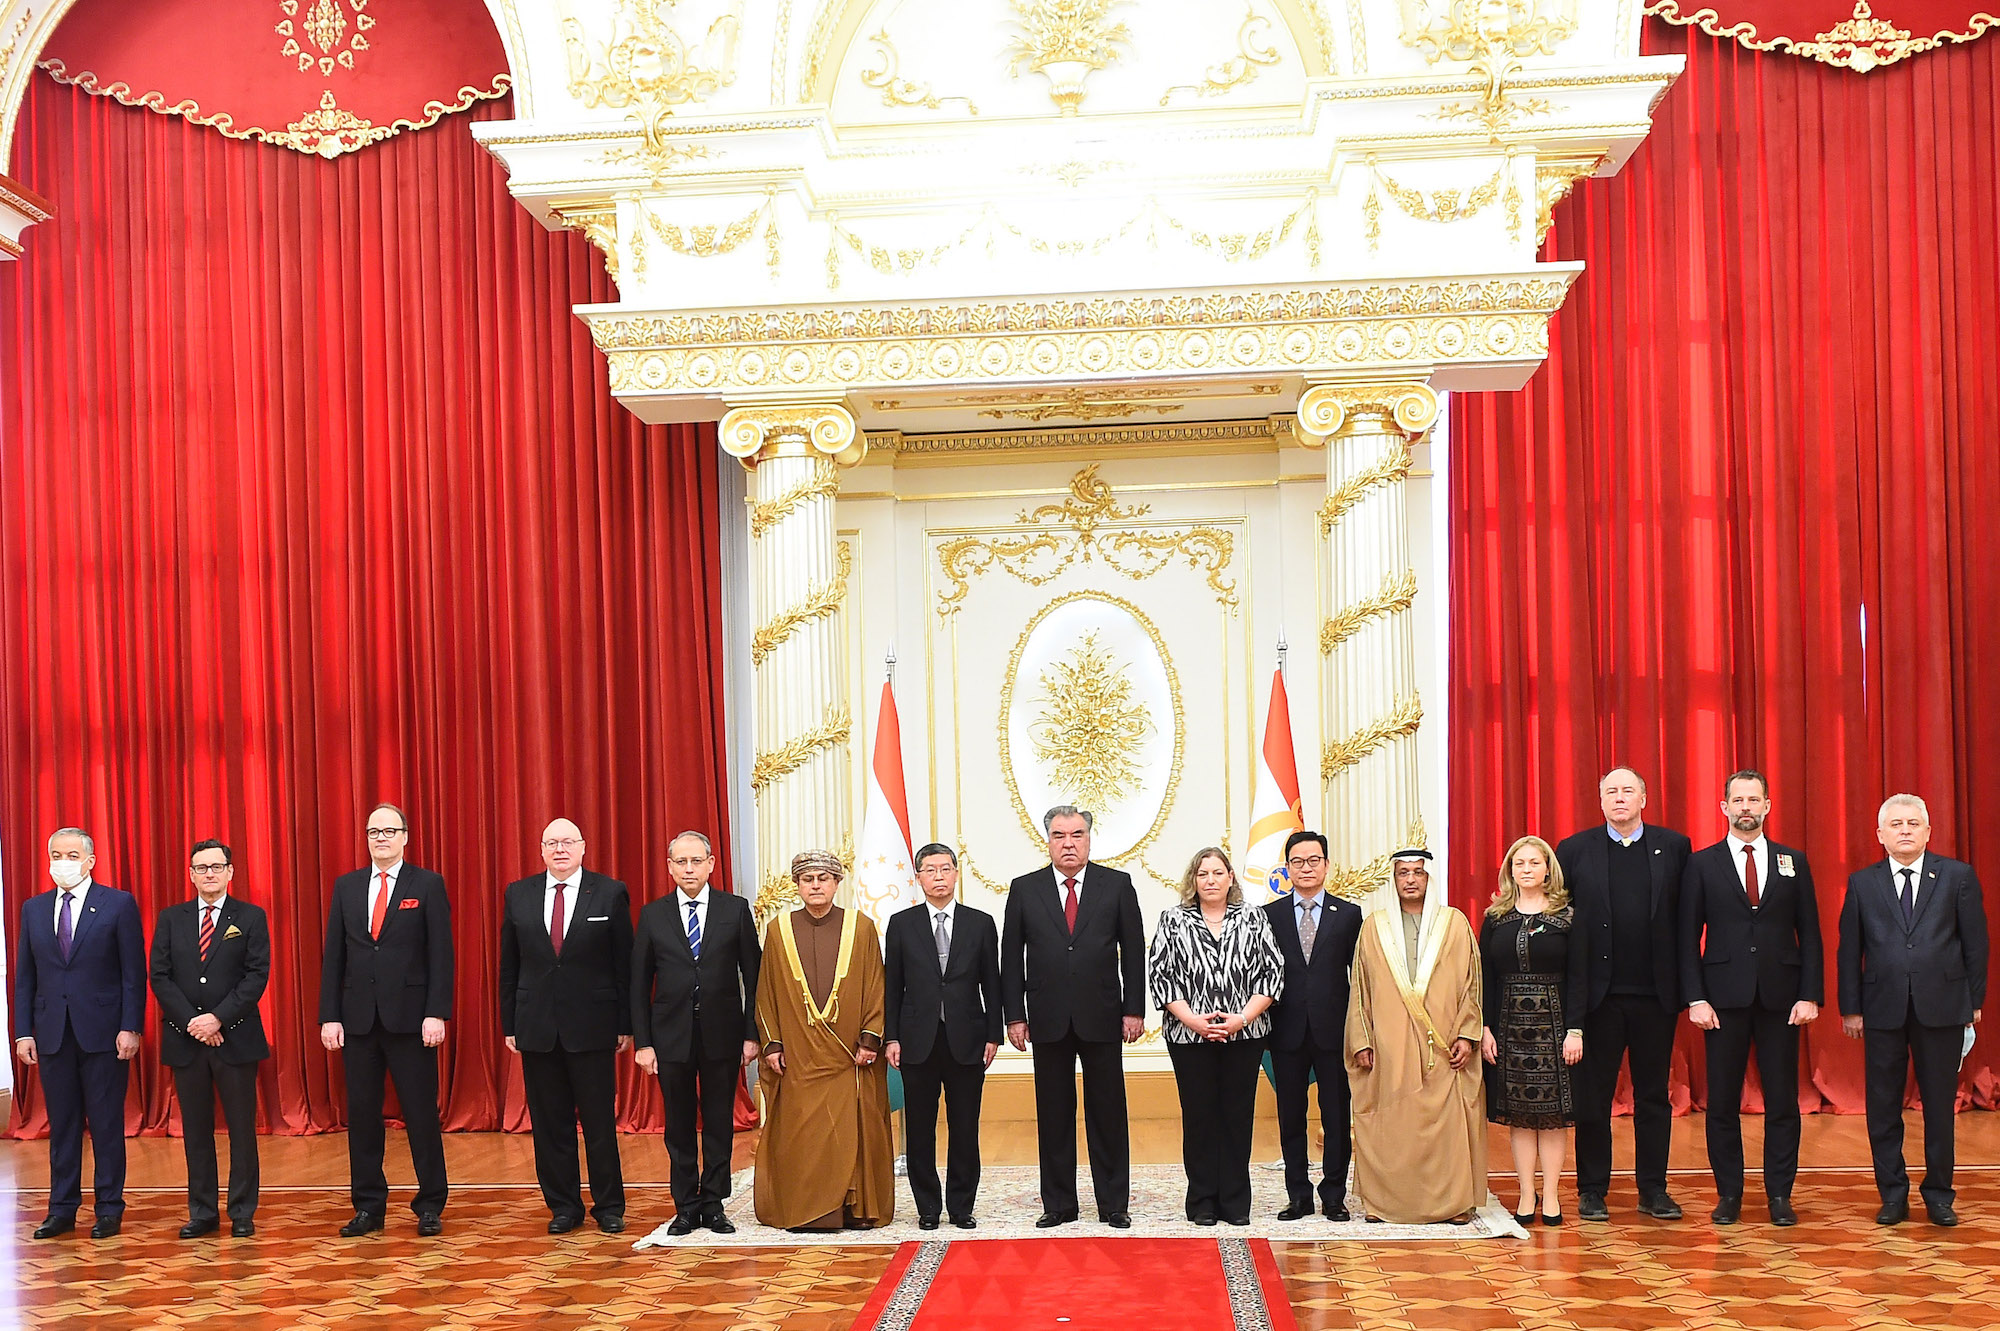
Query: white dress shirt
x=375, y=872
x=570, y=888
x=700, y=902
x=950, y=912
x=75, y=906
x=1760, y=851
x=1916, y=868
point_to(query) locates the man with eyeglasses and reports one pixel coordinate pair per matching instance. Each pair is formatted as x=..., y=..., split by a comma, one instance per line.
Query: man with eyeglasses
x=565, y=979
x=80, y=993
x=1316, y=934
x=942, y=1028
x=211, y=961
x=384, y=998
x=694, y=1019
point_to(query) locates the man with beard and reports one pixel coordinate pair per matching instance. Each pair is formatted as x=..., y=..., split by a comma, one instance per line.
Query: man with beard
x=1752, y=974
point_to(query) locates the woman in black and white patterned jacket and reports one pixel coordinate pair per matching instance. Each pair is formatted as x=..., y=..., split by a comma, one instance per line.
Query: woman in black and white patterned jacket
x=1215, y=968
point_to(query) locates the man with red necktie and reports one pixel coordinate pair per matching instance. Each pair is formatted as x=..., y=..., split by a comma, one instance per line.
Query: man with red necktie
x=565, y=981
x=1073, y=979
x=384, y=998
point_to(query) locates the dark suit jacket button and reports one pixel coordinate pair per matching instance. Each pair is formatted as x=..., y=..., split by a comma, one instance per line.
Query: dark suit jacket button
x=1753, y=949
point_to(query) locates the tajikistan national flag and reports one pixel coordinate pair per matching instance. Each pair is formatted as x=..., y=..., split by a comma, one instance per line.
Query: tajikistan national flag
x=1274, y=807
x=884, y=879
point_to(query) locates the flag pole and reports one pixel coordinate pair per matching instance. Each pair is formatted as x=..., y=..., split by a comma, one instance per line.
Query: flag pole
x=889, y=664
x=1283, y=647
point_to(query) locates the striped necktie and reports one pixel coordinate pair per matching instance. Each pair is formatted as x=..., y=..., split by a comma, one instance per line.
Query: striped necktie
x=207, y=929
x=694, y=931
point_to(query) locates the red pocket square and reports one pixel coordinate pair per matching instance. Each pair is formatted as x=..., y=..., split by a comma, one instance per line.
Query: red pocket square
x=408, y=903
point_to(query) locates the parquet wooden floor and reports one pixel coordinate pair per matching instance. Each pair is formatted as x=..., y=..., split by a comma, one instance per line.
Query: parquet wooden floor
x=494, y=1267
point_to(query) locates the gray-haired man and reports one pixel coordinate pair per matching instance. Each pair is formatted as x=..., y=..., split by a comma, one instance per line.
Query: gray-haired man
x=1073, y=980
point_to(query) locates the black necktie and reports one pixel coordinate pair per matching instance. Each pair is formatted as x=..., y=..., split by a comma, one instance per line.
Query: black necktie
x=1908, y=896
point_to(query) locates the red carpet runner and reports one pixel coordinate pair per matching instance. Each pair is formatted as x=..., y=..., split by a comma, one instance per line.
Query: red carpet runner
x=1080, y=1285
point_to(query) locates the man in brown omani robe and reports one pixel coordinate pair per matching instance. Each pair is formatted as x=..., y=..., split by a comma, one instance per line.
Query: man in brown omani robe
x=826, y=1159
x=1413, y=1026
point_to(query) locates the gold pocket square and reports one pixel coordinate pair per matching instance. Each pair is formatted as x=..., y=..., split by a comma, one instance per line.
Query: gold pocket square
x=232, y=932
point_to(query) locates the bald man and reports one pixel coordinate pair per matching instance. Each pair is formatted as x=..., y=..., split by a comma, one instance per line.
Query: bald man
x=565, y=987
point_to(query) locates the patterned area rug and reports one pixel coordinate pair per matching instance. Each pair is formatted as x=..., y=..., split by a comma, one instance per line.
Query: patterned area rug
x=1090, y=1285
x=1009, y=1202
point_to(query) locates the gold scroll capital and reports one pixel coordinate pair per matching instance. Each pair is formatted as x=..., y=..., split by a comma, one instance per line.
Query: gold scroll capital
x=754, y=431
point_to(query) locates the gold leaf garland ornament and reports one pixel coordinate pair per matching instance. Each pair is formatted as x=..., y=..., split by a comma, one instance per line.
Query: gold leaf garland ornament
x=1400, y=722
x=1091, y=731
x=788, y=758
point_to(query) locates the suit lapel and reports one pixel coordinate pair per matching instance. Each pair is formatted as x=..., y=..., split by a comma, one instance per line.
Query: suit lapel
x=680, y=901
x=81, y=917
x=586, y=889
x=222, y=919
x=1052, y=896
x=1285, y=926
x=1929, y=884
x=1656, y=865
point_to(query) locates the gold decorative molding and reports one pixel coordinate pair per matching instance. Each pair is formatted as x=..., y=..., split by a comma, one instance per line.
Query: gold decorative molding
x=647, y=69
x=775, y=894
x=766, y=515
x=327, y=131
x=1860, y=43
x=789, y=757
x=1077, y=404
x=708, y=241
x=840, y=350
x=1399, y=593
x=1325, y=408
x=1065, y=41
x=898, y=92
x=1392, y=467
x=1477, y=30
x=1254, y=52
x=1441, y=205
x=1401, y=721
x=1085, y=529
x=598, y=221
x=1134, y=440
x=818, y=604
x=1357, y=37
x=791, y=429
x=1553, y=182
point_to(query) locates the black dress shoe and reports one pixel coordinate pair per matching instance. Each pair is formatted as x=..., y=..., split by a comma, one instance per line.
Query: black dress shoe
x=1050, y=1219
x=682, y=1224
x=611, y=1224
x=1117, y=1220
x=1941, y=1213
x=1238, y=1220
x=364, y=1222
x=563, y=1224
x=965, y=1222
x=1893, y=1213
x=1296, y=1211
x=1728, y=1210
x=1660, y=1207
x=194, y=1229
x=718, y=1223
x=1204, y=1219
x=927, y=1222
x=1340, y=1215
x=242, y=1229
x=1782, y=1214
x=1590, y=1205
x=54, y=1225
x=1552, y=1219
x=429, y=1226
x=106, y=1228
x=1525, y=1219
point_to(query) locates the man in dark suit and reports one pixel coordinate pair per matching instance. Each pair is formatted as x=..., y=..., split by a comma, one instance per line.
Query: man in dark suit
x=1073, y=978
x=385, y=996
x=565, y=1008
x=80, y=991
x=1624, y=879
x=1913, y=952
x=694, y=1019
x=942, y=1013
x=1316, y=935
x=1752, y=972
x=211, y=961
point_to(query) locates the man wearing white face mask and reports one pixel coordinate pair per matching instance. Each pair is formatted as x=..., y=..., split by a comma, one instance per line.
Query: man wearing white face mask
x=80, y=981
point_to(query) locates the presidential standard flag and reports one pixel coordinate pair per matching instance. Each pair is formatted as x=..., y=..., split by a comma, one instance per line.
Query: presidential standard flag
x=1274, y=805
x=884, y=879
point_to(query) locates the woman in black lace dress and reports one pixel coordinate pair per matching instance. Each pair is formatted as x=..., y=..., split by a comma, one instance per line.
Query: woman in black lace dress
x=1533, y=1030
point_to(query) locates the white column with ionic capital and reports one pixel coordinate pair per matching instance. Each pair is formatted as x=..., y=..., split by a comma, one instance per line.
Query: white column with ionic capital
x=1370, y=706
x=800, y=777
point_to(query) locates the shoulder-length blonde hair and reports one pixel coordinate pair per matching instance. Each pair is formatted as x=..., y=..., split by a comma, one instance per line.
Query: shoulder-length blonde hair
x=1190, y=897
x=1510, y=892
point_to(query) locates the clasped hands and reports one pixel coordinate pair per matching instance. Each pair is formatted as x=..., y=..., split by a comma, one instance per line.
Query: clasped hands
x=1217, y=1026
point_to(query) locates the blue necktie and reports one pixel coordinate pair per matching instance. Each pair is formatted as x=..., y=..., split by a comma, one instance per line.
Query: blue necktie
x=694, y=932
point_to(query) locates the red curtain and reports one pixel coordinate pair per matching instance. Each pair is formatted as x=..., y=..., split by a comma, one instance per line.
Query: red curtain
x=312, y=495
x=1745, y=515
